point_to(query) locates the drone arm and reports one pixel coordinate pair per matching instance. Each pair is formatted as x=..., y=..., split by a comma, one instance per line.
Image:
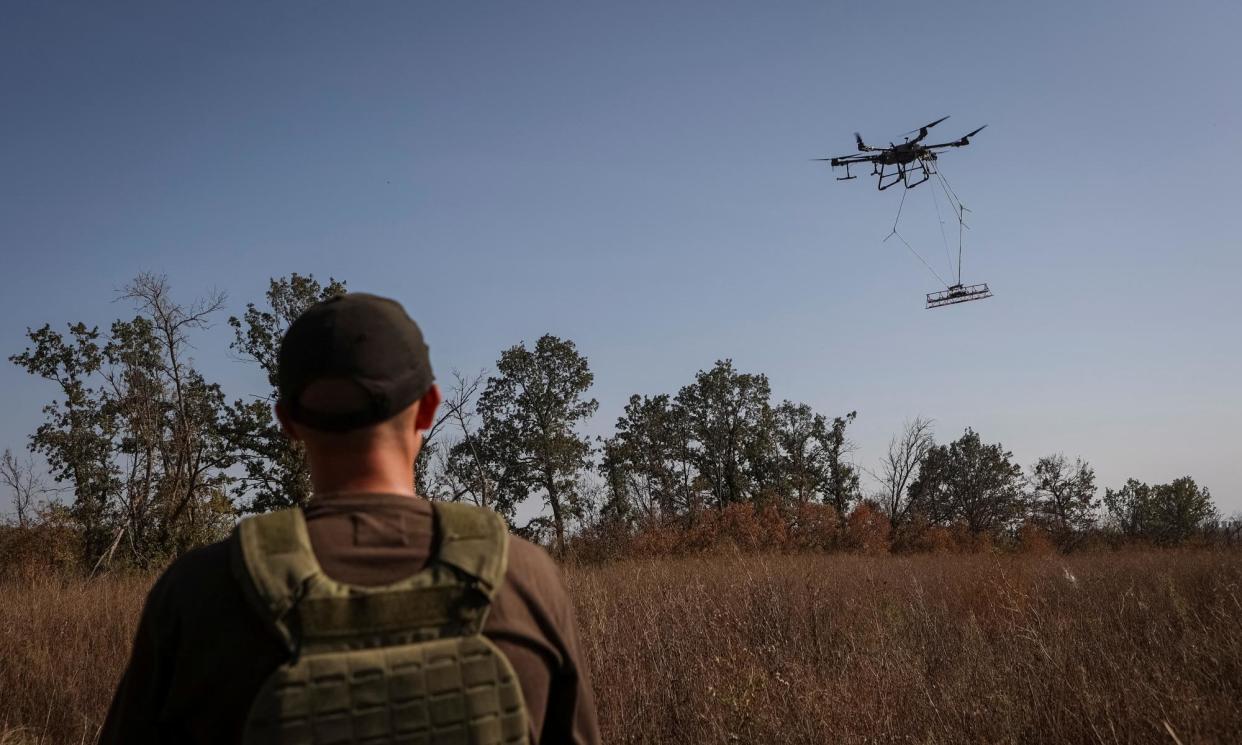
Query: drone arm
x=847, y=159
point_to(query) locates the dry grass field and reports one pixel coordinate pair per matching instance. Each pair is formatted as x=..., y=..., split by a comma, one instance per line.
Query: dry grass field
x=1000, y=649
x=1109, y=648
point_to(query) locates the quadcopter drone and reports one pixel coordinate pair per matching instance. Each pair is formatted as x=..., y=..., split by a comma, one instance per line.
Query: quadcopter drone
x=910, y=163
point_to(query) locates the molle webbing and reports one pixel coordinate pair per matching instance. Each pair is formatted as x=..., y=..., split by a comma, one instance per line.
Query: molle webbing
x=458, y=690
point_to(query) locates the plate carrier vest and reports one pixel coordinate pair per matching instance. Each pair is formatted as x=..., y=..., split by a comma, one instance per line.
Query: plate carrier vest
x=401, y=663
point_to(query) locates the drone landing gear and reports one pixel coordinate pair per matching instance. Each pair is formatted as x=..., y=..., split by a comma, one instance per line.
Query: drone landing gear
x=911, y=175
x=958, y=294
x=847, y=176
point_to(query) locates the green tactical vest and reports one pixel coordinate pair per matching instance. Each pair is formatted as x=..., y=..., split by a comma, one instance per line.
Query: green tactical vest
x=402, y=663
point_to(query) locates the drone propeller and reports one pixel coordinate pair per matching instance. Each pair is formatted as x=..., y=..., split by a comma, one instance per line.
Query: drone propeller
x=966, y=137
x=861, y=146
x=965, y=140
x=926, y=126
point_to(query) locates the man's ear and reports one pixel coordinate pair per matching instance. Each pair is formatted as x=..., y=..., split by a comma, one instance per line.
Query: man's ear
x=427, y=406
x=286, y=424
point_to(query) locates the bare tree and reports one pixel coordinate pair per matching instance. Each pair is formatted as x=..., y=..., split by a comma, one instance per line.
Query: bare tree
x=193, y=450
x=448, y=456
x=1063, y=498
x=900, y=466
x=459, y=409
x=23, y=483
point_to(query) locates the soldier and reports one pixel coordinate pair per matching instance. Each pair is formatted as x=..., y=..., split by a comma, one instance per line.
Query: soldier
x=369, y=615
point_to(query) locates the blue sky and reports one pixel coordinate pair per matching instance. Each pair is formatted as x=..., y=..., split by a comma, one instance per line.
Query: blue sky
x=636, y=177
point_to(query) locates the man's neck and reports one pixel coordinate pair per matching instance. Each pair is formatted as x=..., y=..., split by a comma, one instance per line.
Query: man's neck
x=362, y=475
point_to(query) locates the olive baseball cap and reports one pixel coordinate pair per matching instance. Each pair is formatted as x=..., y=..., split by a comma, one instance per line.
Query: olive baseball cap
x=365, y=344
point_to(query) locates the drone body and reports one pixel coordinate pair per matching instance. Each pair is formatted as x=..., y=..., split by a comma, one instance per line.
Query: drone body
x=909, y=163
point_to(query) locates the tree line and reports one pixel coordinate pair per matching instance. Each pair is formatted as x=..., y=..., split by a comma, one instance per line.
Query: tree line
x=154, y=459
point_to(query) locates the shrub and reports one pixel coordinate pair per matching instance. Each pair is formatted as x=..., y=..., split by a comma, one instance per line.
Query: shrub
x=867, y=530
x=1035, y=540
x=49, y=546
x=813, y=526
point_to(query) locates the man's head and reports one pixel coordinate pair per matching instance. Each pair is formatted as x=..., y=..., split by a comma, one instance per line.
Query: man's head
x=355, y=386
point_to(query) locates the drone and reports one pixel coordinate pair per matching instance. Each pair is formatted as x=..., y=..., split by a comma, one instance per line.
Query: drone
x=910, y=163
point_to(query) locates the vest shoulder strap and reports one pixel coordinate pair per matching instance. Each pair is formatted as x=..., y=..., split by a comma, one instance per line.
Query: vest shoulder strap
x=274, y=552
x=475, y=541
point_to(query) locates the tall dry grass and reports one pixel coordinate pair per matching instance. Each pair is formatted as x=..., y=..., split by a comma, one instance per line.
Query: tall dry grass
x=63, y=645
x=1111, y=648
x=950, y=649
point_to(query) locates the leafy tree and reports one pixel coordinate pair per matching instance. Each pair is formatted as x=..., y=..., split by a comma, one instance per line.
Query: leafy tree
x=1165, y=513
x=1129, y=507
x=137, y=432
x=275, y=472
x=841, y=488
x=811, y=460
x=1179, y=509
x=969, y=481
x=720, y=441
x=75, y=438
x=728, y=420
x=800, y=435
x=647, y=462
x=530, y=412
x=929, y=496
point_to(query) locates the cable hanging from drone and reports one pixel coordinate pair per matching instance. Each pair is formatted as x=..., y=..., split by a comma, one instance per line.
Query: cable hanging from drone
x=953, y=293
x=910, y=164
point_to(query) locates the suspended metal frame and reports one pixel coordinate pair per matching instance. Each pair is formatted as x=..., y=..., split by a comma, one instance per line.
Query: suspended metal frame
x=958, y=294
